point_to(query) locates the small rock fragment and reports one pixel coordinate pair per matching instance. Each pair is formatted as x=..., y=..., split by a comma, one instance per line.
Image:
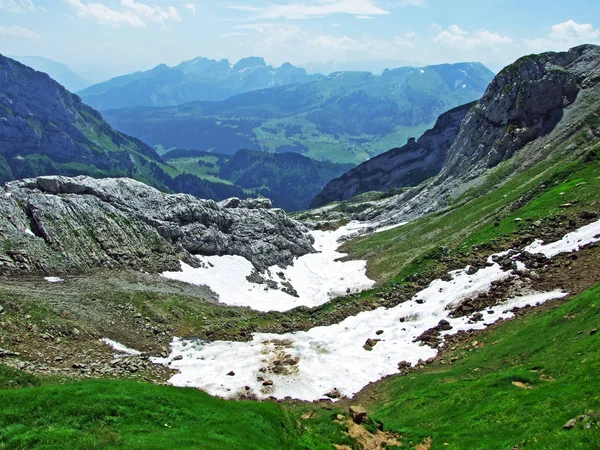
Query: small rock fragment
x=358, y=414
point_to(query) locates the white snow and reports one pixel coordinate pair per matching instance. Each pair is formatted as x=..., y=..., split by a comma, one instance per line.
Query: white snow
x=28, y=232
x=120, y=347
x=324, y=358
x=317, y=277
x=333, y=356
x=571, y=242
x=53, y=279
x=7, y=194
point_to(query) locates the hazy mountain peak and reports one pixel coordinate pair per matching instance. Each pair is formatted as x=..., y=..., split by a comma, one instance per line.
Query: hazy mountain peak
x=57, y=71
x=252, y=62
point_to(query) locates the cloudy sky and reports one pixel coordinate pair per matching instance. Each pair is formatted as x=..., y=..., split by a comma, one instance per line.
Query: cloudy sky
x=117, y=36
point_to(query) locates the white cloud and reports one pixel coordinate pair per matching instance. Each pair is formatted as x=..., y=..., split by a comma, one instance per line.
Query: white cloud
x=365, y=17
x=456, y=37
x=566, y=35
x=336, y=25
x=278, y=39
x=16, y=31
x=17, y=5
x=191, y=7
x=322, y=8
x=131, y=13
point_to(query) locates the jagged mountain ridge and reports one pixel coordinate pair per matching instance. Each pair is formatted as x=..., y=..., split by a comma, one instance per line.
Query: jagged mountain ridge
x=199, y=79
x=401, y=167
x=347, y=117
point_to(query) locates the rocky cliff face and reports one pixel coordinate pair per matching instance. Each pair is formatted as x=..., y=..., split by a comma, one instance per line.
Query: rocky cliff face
x=401, y=167
x=57, y=224
x=527, y=102
x=44, y=129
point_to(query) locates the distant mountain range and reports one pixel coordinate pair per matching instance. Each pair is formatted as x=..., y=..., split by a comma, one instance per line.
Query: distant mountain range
x=46, y=130
x=347, y=117
x=195, y=80
x=376, y=67
x=57, y=71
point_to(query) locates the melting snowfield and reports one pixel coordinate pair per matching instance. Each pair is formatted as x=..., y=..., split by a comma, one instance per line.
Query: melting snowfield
x=571, y=242
x=308, y=365
x=316, y=277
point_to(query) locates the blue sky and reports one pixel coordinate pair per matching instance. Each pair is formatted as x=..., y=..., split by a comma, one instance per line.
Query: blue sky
x=118, y=36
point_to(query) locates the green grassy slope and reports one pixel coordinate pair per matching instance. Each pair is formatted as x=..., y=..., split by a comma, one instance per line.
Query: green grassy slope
x=486, y=215
x=474, y=404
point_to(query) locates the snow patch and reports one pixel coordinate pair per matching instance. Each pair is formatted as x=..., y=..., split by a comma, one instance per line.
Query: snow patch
x=316, y=277
x=308, y=364
x=28, y=232
x=54, y=279
x=571, y=242
x=120, y=347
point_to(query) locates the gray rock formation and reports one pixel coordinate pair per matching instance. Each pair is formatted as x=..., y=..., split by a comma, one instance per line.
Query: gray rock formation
x=57, y=224
x=525, y=104
x=401, y=167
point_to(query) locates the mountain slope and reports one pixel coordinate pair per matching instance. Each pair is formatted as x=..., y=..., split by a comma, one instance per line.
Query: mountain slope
x=401, y=167
x=57, y=71
x=194, y=80
x=44, y=129
x=347, y=117
x=534, y=101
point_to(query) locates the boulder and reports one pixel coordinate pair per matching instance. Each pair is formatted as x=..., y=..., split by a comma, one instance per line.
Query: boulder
x=358, y=414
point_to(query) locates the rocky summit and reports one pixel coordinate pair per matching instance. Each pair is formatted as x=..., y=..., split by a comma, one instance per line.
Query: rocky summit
x=537, y=100
x=57, y=224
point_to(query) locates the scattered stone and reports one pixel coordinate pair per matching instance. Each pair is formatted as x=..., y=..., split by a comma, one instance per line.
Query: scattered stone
x=570, y=424
x=178, y=358
x=444, y=325
x=404, y=367
x=370, y=343
x=335, y=393
x=268, y=383
x=594, y=331
x=231, y=374
x=379, y=332
x=307, y=415
x=358, y=414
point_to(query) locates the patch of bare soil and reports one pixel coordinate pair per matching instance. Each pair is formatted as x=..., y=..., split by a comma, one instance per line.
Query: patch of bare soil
x=367, y=440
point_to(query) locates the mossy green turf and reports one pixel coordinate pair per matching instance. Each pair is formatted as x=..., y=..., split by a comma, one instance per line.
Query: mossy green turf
x=474, y=405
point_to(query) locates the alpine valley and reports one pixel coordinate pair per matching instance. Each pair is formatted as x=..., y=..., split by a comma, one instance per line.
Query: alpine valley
x=444, y=294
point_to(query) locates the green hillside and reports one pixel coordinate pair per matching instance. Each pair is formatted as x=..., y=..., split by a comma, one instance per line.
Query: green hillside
x=347, y=117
